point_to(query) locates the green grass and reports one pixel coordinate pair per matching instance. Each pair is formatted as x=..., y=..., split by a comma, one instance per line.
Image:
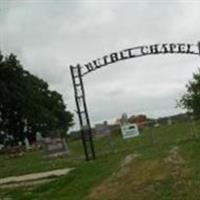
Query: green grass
x=148, y=177
x=76, y=185
x=32, y=162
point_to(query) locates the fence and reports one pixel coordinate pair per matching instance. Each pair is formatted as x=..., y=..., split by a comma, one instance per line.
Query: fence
x=150, y=135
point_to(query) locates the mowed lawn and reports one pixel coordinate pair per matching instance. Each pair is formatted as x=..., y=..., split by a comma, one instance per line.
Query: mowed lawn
x=36, y=161
x=162, y=163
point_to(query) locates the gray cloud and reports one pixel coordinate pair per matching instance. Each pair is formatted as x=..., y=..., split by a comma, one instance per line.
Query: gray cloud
x=49, y=36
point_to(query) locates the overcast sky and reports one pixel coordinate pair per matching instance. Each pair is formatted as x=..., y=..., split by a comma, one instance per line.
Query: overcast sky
x=48, y=36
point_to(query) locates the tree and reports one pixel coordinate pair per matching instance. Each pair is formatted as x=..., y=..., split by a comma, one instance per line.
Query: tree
x=27, y=105
x=191, y=99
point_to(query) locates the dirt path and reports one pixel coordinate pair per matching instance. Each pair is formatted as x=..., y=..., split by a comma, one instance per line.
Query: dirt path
x=31, y=178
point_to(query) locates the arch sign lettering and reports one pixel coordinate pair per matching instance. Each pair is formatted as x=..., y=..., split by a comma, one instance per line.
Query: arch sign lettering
x=78, y=71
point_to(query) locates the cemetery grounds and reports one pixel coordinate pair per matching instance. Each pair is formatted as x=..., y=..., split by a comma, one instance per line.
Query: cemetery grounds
x=162, y=163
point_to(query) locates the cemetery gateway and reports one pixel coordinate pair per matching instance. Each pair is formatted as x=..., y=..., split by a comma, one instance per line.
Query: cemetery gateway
x=79, y=71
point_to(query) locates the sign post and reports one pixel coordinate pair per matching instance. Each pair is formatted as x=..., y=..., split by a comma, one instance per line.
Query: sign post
x=79, y=71
x=85, y=128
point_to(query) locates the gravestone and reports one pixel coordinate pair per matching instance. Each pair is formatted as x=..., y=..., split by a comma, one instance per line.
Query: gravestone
x=124, y=119
x=169, y=121
x=104, y=130
x=55, y=147
x=27, y=144
x=1, y=146
x=39, y=139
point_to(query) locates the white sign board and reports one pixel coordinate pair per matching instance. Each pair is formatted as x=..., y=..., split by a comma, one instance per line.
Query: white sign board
x=129, y=130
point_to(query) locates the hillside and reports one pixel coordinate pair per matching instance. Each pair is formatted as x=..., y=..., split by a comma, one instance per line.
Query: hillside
x=162, y=163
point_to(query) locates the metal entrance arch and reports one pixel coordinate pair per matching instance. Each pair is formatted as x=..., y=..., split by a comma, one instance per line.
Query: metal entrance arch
x=78, y=71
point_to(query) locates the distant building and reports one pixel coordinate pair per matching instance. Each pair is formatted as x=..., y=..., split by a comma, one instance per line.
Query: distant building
x=140, y=120
x=183, y=117
x=102, y=129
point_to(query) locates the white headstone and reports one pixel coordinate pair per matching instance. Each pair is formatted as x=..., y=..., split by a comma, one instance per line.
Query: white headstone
x=1, y=146
x=39, y=137
x=27, y=144
x=124, y=119
x=169, y=121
